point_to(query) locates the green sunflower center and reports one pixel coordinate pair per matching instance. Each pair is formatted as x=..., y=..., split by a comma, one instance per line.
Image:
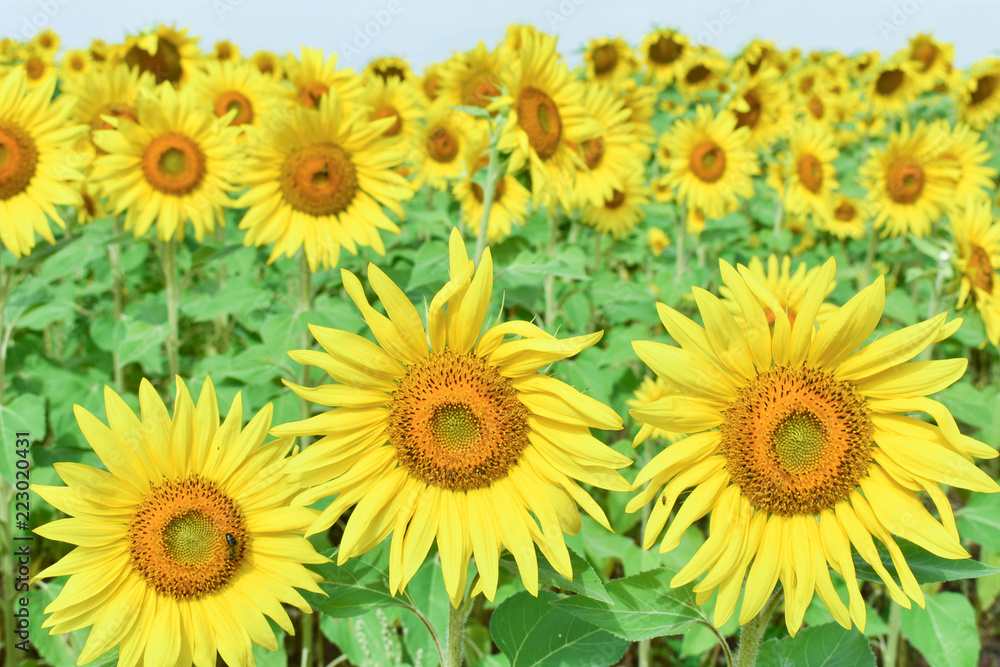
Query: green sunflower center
x=18, y=160
x=455, y=426
x=174, y=164
x=188, y=538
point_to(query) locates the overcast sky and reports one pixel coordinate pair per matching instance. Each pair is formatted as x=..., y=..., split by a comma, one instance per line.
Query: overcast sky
x=425, y=31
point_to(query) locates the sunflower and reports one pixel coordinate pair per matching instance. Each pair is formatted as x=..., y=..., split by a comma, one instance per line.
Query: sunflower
x=445, y=432
x=313, y=77
x=75, y=63
x=47, y=41
x=979, y=93
x=650, y=390
x=91, y=205
x=111, y=92
x=762, y=106
x=386, y=68
x=35, y=158
x=908, y=182
x=609, y=59
x=547, y=120
x=38, y=66
x=710, y=164
x=977, y=241
x=175, y=164
x=893, y=86
x=471, y=78
x=801, y=446
x=621, y=212
x=845, y=219
x=608, y=157
x=640, y=101
x=167, y=53
x=319, y=182
x=663, y=52
x=931, y=60
x=811, y=174
x=226, y=51
x=393, y=98
x=783, y=287
x=237, y=85
x=268, y=63
x=187, y=542
x=962, y=147
x=757, y=57
x=430, y=82
x=441, y=142
x=704, y=69
x=658, y=241
x=510, y=198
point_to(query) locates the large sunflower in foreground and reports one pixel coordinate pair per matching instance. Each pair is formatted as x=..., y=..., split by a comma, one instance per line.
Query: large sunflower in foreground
x=175, y=164
x=186, y=542
x=908, y=182
x=801, y=447
x=710, y=164
x=451, y=434
x=319, y=183
x=35, y=159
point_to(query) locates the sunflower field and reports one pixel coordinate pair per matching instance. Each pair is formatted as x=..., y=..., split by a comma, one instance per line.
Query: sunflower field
x=674, y=358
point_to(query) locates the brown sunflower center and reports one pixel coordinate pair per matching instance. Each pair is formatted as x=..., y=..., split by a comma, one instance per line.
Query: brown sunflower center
x=165, y=65
x=480, y=89
x=223, y=51
x=845, y=211
x=35, y=67
x=231, y=100
x=617, y=199
x=115, y=110
x=18, y=159
x=889, y=81
x=749, y=117
x=810, y=172
x=593, y=152
x=173, y=164
x=456, y=423
x=477, y=191
x=979, y=269
x=432, y=86
x=905, y=181
x=665, y=50
x=539, y=118
x=697, y=74
x=441, y=145
x=815, y=107
x=319, y=180
x=985, y=86
x=76, y=63
x=310, y=94
x=708, y=161
x=605, y=59
x=924, y=53
x=389, y=112
x=796, y=440
x=187, y=538
x=387, y=72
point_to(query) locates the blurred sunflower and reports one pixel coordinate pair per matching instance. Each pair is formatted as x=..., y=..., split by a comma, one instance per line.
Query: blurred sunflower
x=908, y=182
x=801, y=447
x=166, y=53
x=386, y=68
x=640, y=102
x=978, y=96
x=812, y=177
x=174, y=164
x=782, y=286
x=226, y=51
x=319, y=183
x=392, y=98
x=622, y=211
x=893, y=87
x=761, y=105
x=113, y=92
x=930, y=60
x=313, y=78
x=240, y=87
x=704, y=68
x=38, y=66
x=36, y=137
x=268, y=63
x=441, y=140
x=609, y=59
x=430, y=82
x=961, y=146
x=649, y=391
x=608, y=157
x=471, y=78
x=547, y=120
x=757, y=57
x=845, y=219
x=977, y=241
x=75, y=63
x=47, y=41
x=710, y=164
x=663, y=52
x=445, y=433
x=510, y=198
x=187, y=543
x=658, y=241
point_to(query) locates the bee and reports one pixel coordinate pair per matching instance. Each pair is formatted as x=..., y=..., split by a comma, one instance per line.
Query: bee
x=232, y=547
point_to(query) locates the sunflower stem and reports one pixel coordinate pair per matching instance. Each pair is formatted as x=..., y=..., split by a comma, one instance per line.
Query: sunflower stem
x=895, y=630
x=222, y=321
x=307, y=639
x=681, y=234
x=4, y=283
x=169, y=262
x=550, y=278
x=597, y=253
x=865, y=278
x=455, y=651
x=305, y=305
x=779, y=216
x=753, y=630
x=117, y=297
x=493, y=176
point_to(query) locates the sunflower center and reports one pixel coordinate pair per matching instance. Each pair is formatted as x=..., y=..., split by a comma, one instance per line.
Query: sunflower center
x=456, y=423
x=389, y=112
x=985, y=86
x=708, y=161
x=390, y=72
x=477, y=191
x=319, y=180
x=905, y=181
x=617, y=199
x=173, y=164
x=18, y=160
x=115, y=110
x=89, y=204
x=815, y=107
x=432, y=85
x=77, y=63
x=231, y=100
x=796, y=440
x=749, y=117
x=310, y=95
x=810, y=172
x=980, y=270
x=697, y=74
x=593, y=152
x=187, y=538
x=35, y=68
x=665, y=50
x=889, y=82
x=223, y=51
x=441, y=145
x=845, y=212
x=924, y=53
x=539, y=118
x=605, y=59
x=165, y=65
x=480, y=89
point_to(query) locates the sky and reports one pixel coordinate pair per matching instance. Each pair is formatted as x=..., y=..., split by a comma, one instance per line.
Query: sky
x=425, y=31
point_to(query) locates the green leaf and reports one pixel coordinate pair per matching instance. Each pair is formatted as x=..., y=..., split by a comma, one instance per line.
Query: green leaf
x=926, y=567
x=643, y=606
x=476, y=112
x=944, y=632
x=265, y=658
x=585, y=581
x=988, y=588
x=979, y=521
x=141, y=341
x=356, y=587
x=26, y=413
x=826, y=645
x=530, y=631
